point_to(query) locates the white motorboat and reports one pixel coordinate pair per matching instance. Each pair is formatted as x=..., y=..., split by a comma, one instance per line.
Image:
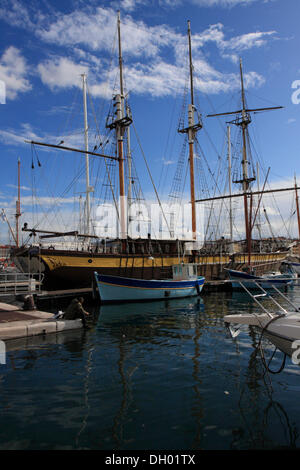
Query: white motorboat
x=283, y=324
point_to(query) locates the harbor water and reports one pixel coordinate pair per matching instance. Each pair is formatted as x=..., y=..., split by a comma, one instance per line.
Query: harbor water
x=151, y=376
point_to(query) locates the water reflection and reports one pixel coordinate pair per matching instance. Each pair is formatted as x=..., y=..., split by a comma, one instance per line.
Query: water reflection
x=155, y=375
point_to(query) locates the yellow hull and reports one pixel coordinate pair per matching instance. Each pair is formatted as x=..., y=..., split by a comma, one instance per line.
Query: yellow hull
x=76, y=269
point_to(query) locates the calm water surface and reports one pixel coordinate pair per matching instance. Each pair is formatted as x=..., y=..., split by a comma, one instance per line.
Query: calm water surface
x=156, y=376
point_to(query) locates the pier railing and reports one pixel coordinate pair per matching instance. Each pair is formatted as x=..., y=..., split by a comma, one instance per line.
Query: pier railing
x=20, y=283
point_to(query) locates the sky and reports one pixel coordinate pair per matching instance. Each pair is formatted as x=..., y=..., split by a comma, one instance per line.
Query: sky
x=45, y=47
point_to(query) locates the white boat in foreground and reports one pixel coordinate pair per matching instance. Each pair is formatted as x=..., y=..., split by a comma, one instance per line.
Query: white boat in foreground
x=283, y=324
x=185, y=283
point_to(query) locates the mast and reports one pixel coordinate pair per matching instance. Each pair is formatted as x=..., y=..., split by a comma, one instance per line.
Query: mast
x=229, y=182
x=297, y=207
x=18, y=207
x=129, y=160
x=119, y=124
x=191, y=136
x=191, y=132
x=243, y=122
x=87, y=171
x=120, y=135
x=258, y=218
x=245, y=181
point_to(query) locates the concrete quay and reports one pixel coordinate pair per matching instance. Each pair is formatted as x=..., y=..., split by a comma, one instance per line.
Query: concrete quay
x=18, y=323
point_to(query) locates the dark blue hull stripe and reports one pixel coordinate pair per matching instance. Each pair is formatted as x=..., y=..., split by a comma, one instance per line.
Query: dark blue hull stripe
x=152, y=284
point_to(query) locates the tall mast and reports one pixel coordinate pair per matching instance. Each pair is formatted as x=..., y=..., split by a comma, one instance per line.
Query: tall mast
x=297, y=207
x=18, y=207
x=229, y=181
x=129, y=160
x=120, y=123
x=191, y=135
x=244, y=121
x=86, y=145
x=258, y=215
x=245, y=181
x=120, y=134
x=191, y=132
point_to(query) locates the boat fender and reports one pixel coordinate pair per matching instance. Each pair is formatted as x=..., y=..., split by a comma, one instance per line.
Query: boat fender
x=167, y=293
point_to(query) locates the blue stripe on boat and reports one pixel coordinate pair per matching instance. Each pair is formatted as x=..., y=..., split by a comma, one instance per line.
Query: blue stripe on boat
x=148, y=284
x=120, y=289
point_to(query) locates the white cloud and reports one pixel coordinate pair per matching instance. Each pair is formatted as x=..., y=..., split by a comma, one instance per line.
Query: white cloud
x=15, y=13
x=13, y=72
x=211, y=3
x=89, y=33
x=96, y=30
x=221, y=3
x=15, y=137
x=61, y=72
x=14, y=186
x=248, y=41
x=128, y=5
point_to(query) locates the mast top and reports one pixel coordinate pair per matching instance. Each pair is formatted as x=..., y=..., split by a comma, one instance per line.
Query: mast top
x=120, y=55
x=191, y=63
x=244, y=111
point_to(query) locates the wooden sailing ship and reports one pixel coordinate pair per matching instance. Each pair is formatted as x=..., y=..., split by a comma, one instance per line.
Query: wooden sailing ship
x=144, y=258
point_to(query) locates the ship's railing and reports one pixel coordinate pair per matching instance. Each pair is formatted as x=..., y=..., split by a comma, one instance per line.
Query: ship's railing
x=20, y=283
x=263, y=293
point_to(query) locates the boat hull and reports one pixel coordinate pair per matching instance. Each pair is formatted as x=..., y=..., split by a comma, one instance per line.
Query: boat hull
x=295, y=267
x=253, y=282
x=285, y=327
x=119, y=289
x=63, y=269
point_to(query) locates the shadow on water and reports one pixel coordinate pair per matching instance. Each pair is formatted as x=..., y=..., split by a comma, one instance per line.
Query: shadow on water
x=158, y=375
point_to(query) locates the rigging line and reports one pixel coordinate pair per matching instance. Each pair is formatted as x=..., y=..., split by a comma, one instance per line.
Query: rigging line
x=277, y=207
x=215, y=183
x=100, y=110
x=53, y=206
x=167, y=144
x=111, y=187
x=99, y=136
x=71, y=114
x=213, y=210
x=182, y=193
x=262, y=99
x=148, y=169
x=45, y=217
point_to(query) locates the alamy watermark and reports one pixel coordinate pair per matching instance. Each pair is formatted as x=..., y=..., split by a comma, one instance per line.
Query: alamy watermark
x=2, y=352
x=296, y=353
x=2, y=92
x=159, y=220
x=296, y=94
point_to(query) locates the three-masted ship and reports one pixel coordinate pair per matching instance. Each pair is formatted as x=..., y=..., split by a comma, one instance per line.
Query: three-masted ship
x=145, y=258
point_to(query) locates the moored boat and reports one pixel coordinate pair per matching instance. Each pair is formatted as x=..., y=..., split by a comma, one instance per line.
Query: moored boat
x=281, y=327
x=184, y=283
x=285, y=326
x=266, y=281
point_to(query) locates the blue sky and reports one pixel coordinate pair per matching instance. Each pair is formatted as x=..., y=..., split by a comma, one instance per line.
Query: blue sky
x=46, y=46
